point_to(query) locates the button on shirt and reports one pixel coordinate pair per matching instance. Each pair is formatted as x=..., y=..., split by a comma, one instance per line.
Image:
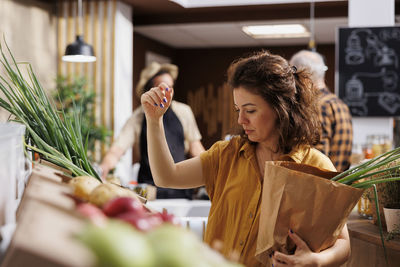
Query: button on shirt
x=234, y=185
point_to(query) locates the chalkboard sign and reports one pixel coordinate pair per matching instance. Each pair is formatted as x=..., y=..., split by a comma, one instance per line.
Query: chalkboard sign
x=368, y=70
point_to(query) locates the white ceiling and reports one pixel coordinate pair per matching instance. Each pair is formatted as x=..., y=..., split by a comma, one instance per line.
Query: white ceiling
x=230, y=34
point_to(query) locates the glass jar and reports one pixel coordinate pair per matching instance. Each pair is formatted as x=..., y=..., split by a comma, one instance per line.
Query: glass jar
x=387, y=144
x=376, y=145
x=364, y=207
x=367, y=147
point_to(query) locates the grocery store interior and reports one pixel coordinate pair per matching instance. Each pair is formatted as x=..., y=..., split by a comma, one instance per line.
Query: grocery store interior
x=70, y=72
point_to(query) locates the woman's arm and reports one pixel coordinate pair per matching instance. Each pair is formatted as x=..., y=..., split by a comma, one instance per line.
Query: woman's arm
x=195, y=148
x=110, y=160
x=339, y=253
x=185, y=174
x=336, y=255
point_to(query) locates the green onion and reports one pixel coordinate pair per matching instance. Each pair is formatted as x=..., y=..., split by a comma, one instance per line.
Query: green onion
x=56, y=136
x=381, y=169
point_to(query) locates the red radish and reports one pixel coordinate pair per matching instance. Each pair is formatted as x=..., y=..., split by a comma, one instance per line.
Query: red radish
x=92, y=212
x=168, y=217
x=154, y=220
x=142, y=222
x=120, y=205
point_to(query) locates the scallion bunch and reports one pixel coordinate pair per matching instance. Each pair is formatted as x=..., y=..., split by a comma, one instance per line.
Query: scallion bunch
x=56, y=136
x=374, y=171
x=381, y=169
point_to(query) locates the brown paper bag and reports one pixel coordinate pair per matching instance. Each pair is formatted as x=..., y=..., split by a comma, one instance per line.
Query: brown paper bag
x=302, y=198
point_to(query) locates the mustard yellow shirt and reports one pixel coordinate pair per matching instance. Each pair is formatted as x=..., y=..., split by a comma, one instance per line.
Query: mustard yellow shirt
x=234, y=184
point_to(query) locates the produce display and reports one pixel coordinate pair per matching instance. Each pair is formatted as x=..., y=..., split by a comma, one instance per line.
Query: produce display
x=117, y=244
x=124, y=233
x=107, y=191
x=83, y=186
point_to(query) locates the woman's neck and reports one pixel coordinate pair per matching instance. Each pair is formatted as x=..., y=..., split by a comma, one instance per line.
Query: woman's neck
x=267, y=151
x=271, y=145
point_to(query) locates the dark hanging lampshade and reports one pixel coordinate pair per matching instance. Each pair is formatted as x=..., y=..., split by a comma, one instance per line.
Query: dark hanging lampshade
x=79, y=51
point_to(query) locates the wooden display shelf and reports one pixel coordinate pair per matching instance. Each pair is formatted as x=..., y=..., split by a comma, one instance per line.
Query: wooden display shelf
x=46, y=225
x=366, y=245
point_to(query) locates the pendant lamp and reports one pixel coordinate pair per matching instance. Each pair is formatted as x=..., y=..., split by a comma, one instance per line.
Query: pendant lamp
x=79, y=51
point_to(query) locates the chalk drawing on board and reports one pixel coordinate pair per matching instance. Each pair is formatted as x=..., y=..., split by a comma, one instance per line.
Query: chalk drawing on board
x=389, y=101
x=369, y=70
x=357, y=98
x=382, y=55
x=388, y=34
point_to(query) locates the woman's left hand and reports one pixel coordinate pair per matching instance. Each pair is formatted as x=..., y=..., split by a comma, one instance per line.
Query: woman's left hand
x=303, y=255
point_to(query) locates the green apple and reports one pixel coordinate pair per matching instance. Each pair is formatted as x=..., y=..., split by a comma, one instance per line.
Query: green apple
x=118, y=244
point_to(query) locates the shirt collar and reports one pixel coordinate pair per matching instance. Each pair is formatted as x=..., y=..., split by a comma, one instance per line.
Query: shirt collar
x=247, y=149
x=324, y=91
x=297, y=154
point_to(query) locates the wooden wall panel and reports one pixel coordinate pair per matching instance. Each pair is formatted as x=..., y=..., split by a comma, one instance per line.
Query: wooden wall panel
x=97, y=28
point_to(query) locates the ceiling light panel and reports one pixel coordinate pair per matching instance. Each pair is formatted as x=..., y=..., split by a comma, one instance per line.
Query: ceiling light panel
x=276, y=31
x=216, y=3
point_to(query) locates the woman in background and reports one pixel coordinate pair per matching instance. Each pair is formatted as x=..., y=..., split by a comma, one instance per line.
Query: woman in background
x=182, y=133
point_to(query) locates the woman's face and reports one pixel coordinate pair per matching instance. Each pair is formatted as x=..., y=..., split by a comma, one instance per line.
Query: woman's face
x=163, y=78
x=256, y=116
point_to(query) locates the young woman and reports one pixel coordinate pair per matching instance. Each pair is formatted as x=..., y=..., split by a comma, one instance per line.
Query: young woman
x=277, y=112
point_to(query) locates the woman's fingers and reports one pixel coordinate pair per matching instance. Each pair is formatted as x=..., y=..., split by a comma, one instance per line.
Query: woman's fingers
x=303, y=256
x=157, y=97
x=168, y=91
x=156, y=101
x=280, y=259
x=160, y=96
x=150, y=98
x=300, y=244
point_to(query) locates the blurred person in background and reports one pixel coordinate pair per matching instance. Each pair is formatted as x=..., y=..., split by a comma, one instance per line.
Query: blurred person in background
x=336, y=136
x=278, y=116
x=182, y=133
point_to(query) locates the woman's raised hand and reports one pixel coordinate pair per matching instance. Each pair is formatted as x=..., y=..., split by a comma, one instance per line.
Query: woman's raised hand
x=156, y=101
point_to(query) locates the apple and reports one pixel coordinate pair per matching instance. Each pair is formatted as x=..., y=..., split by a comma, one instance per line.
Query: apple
x=121, y=205
x=168, y=217
x=117, y=244
x=92, y=212
x=141, y=221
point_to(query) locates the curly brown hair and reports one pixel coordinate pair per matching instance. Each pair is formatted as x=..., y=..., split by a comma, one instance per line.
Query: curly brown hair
x=289, y=92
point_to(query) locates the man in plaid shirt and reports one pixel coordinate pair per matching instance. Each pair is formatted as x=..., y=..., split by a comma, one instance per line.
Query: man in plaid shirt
x=337, y=130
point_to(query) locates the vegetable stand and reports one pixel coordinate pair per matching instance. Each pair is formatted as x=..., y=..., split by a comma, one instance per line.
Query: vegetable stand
x=366, y=245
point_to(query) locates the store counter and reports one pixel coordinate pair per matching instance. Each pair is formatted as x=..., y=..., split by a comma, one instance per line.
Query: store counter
x=366, y=244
